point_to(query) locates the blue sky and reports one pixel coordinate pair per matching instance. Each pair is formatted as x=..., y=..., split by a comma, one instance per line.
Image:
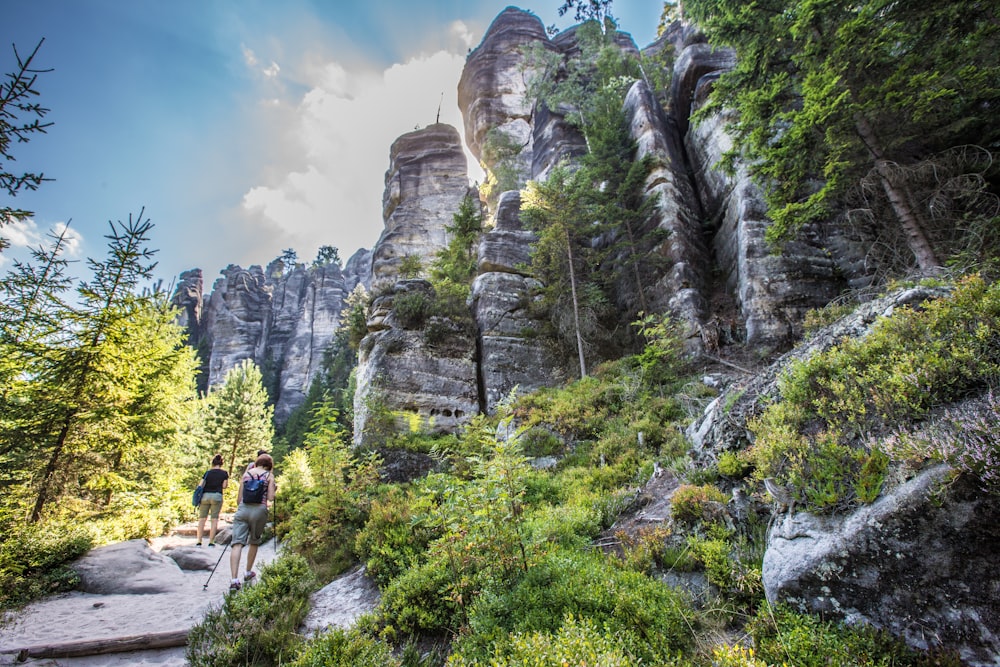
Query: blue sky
x=242, y=127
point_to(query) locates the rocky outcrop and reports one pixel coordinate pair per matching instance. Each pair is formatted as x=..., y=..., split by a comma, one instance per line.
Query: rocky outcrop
x=681, y=285
x=426, y=182
x=492, y=92
x=511, y=353
x=415, y=372
x=127, y=568
x=283, y=319
x=920, y=562
x=773, y=289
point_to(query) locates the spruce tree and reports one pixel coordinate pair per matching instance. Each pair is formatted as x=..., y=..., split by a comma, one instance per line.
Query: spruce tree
x=240, y=418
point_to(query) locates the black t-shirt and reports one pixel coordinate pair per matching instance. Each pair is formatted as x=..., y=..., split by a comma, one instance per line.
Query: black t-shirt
x=214, y=479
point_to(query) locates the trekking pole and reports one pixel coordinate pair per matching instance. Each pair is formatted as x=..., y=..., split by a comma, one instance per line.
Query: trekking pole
x=224, y=547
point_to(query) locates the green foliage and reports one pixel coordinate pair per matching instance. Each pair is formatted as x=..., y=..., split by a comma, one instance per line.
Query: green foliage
x=239, y=416
x=909, y=363
x=411, y=266
x=647, y=620
x=397, y=533
x=319, y=520
x=692, y=504
x=412, y=308
x=327, y=254
x=733, y=465
x=576, y=642
x=88, y=415
x=355, y=319
x=345, y=648
x=782, y=636
x=258, y=625
x=830, y=92
x=456, y=262
x=21, y=116
x=34, y=560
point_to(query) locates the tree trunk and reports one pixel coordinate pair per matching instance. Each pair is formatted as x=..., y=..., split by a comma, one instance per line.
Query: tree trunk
x=50, y=469
x=576, y=307
x=916, y=239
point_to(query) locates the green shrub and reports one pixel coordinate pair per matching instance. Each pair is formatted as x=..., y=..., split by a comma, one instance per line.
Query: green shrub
x=648, y=620
x=733, y=465
x=411, y=308
x=418, y=602
x=259, y=624
x=396, y=534
x=345, y=648
x=693, y=504
x=576, y=642
x=783, y=636
x=34, y=561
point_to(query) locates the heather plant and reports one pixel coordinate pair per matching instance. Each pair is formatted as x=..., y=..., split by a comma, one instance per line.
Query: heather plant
x=346, y=648
x=964, y=437
x=809, y=441
x=258, y=625
x=693, y=503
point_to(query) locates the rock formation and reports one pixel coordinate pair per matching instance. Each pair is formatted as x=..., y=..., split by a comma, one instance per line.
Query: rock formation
x=282, y=318
x=427, y=180
x=416, y=370
x=920, y=562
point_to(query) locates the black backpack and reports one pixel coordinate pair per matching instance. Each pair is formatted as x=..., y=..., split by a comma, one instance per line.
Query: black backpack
x=255, y=489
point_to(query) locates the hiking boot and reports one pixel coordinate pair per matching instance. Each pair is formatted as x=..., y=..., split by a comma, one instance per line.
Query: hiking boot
x=234, y=586
x=211, y=544
x=250, y=577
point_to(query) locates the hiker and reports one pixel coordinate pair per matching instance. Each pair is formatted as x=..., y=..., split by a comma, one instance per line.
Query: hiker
x=256, y=490
x=213, y=483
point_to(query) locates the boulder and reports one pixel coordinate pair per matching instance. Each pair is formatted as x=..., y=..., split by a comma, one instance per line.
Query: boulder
x=341, y=602
x=920, y=563
x=127, y=568
x=194, y=558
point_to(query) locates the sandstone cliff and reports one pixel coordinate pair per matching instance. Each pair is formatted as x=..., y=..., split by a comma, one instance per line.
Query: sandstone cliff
x=282, y=318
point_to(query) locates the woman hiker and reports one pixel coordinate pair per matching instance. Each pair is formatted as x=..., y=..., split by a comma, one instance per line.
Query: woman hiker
x=214, y=481
x=251, y=517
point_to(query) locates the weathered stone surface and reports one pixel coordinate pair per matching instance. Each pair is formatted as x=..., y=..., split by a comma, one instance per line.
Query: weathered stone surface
x=511, y=352
x=127, y=567
x=694, y=62
x=554, y=141
x=507, y=247
x=282, y=318
x=426, y=182
x=194, y=558
x=681, y=285
x=920, y=562
x=341, y=602
x=188, y=299
x=492, y=92
x=723, y=426
x=422, y=378
x=235, y=319
x=774, y=290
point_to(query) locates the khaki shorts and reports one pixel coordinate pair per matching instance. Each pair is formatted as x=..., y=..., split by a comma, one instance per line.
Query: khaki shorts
x=211, y=505
x=248, y=523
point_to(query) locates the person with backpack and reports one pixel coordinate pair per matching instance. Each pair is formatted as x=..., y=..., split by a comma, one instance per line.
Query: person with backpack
x=256, y=491
x=213, y=483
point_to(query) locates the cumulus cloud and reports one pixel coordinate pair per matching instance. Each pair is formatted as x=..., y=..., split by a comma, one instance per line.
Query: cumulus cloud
x=25, y=235
x=344, y=125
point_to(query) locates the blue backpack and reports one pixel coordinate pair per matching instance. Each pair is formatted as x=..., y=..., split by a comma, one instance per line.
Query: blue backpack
x=255, y=489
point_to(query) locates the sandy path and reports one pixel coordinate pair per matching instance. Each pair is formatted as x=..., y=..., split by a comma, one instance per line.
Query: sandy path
x=77, y=616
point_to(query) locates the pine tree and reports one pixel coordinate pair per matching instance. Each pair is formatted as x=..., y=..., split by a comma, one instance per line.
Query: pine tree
x=240, y=418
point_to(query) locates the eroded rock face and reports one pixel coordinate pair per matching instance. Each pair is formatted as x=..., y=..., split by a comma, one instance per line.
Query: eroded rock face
x=425, y=184
x=773, y=290
x=413, y=375
x=511, y=354
x=680, y=287
x=920, y=562
x=282, y=318
x=492, y=92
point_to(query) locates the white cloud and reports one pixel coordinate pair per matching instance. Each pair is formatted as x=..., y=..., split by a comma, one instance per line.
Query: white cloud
x=25, y=235
x=344, y=126
x=465, y=35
